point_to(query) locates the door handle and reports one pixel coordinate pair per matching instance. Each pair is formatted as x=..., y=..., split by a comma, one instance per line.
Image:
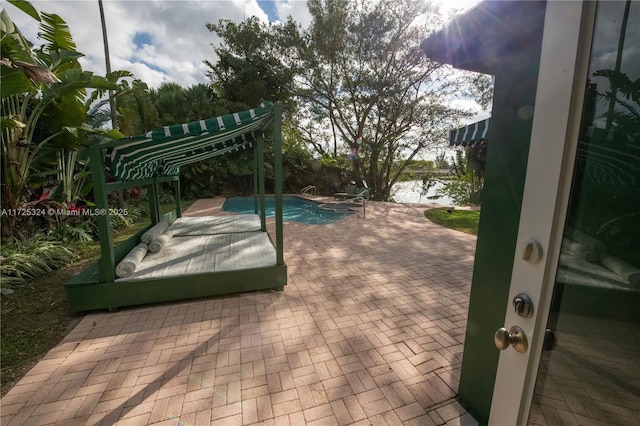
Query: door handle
x=513, y=337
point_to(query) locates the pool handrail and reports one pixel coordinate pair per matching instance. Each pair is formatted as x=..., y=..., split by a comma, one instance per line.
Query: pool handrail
x=309, y=190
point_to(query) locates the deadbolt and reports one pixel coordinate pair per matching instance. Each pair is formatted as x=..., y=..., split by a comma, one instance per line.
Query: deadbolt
x=513, y=337
x=531, y=251
x=523, y=305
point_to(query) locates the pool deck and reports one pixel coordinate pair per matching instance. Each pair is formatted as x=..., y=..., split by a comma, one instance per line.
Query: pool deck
x=368, y=331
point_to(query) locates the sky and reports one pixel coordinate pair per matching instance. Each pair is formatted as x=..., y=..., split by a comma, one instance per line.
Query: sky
x=161, y=40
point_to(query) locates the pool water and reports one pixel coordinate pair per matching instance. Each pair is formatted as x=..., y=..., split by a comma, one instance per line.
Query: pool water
x=294, y=209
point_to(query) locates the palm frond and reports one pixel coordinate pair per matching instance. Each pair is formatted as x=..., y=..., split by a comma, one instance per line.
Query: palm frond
x=115, y=78
x=55, y=31
x=27, y=8
x=116, y=75
x=14, y=45
x=621, y=81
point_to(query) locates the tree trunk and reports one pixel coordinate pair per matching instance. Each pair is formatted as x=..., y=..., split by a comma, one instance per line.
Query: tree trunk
x=112, y=102
x=333, y=130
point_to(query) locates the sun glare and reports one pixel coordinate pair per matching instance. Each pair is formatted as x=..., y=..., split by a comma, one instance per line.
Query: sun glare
x=460, y=6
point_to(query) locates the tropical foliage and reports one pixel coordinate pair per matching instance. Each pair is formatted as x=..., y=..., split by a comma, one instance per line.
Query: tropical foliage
x=137, y=112
x=44, y=110
x=31, y=257
x=465, y=184
x=51, y=111
x=176, y=104
x=624, y=100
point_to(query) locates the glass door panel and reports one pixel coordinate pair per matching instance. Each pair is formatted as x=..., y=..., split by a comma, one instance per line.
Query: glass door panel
x=590, y=367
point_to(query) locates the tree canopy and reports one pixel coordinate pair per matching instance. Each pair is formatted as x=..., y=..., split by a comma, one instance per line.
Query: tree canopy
x=360, y=84
x=249, y=68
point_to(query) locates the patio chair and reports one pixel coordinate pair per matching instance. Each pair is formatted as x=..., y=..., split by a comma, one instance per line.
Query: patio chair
x=349, y=192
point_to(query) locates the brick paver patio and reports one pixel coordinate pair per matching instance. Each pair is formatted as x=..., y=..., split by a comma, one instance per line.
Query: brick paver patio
x=368, y=331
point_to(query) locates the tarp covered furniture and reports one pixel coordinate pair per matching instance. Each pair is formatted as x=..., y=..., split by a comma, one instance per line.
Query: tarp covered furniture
x=247, y=258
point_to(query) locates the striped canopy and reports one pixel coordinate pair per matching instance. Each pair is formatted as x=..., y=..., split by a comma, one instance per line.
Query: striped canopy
x=163, y=151
x=470, y=134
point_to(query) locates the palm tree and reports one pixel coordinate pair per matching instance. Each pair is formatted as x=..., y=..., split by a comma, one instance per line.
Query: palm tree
x=170, y=99
x=107, y=58
x=137, y=110
x=202, y=102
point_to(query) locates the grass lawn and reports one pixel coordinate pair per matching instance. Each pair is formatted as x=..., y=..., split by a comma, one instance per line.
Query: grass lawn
x=36, y=316
x=460, y=220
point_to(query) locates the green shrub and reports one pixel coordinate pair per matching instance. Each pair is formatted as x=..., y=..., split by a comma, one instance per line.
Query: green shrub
x=31, y=257
x=134, y=213
x=79, y=230
x=462, y=190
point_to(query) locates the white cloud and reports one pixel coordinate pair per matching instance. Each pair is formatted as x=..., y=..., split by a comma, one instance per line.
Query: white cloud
x=180, y=42
x=179, y=39
x=473, y=107
x=295, y=8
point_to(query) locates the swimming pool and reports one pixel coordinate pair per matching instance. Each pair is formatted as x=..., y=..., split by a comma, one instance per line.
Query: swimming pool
x=294, y=209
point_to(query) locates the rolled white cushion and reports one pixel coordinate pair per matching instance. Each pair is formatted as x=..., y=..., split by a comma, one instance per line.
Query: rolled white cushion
x=156, y=245
x=154, y=232
x=131, y=261
x=624, y=270
x=579, y=250
x=589, y=242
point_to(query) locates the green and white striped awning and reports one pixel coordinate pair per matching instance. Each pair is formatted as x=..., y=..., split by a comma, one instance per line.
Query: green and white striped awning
x=470, y=134
x=163, y=151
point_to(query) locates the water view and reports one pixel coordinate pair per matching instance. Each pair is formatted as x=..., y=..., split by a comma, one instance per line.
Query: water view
x=411, y=192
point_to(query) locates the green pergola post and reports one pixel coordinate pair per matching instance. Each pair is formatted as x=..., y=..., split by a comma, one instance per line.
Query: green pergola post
x=263, y=213
x=178, y=197
x=277, y=155
x=154, y=203
x=255, y=177
x=106, y=264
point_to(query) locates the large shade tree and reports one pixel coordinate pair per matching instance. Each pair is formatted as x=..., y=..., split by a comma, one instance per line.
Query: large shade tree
x=361, y=83
x=249, y=67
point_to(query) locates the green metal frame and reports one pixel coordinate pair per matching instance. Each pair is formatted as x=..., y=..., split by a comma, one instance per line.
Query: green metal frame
x=96, y=286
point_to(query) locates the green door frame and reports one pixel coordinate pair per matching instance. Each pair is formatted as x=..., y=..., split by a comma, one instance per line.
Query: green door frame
x=508, y=48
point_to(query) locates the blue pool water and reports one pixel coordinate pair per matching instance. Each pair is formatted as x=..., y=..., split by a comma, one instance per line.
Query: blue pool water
x=294, y=209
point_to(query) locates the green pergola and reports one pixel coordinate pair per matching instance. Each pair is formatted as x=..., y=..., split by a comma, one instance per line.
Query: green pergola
x=155, y=157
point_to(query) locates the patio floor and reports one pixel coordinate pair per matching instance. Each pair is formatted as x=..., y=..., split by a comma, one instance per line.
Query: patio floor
x=368, y=331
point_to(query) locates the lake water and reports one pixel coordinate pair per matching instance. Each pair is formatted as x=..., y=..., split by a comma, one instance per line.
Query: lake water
x=411, y=192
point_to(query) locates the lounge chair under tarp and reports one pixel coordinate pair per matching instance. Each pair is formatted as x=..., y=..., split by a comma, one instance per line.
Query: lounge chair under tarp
x=199, y=256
